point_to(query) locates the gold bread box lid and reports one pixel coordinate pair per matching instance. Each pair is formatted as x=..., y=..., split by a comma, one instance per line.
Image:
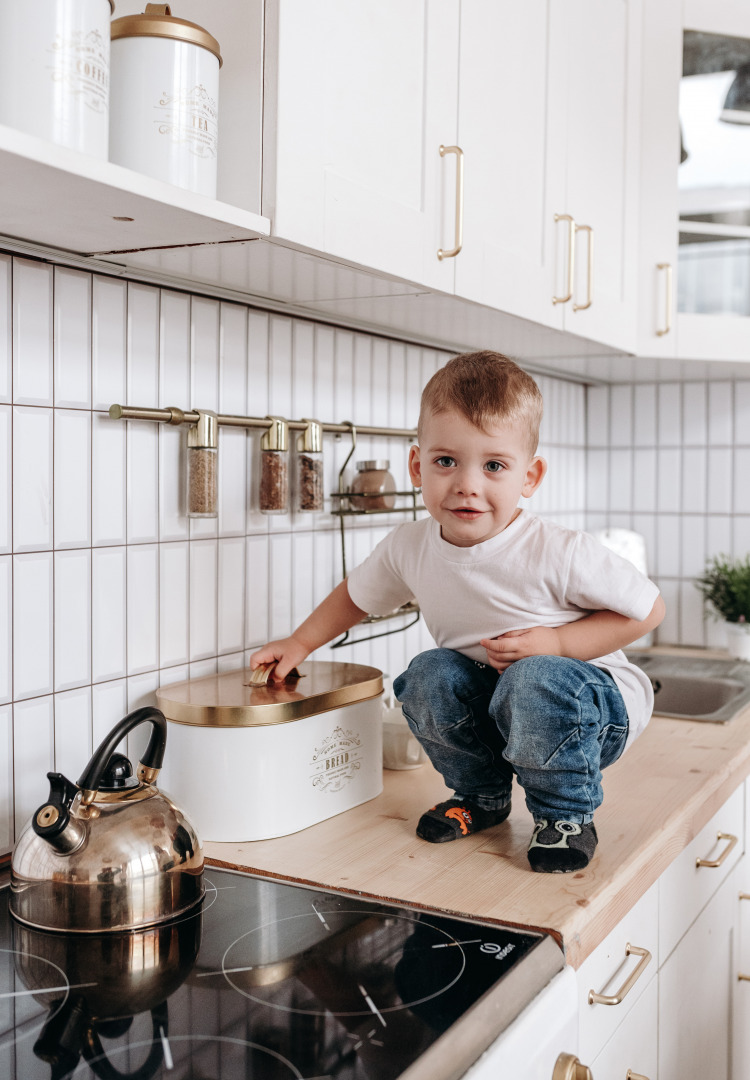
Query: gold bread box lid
x=227, y=700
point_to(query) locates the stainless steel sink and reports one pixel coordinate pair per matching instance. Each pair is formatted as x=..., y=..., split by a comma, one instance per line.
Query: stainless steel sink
x=696, y=689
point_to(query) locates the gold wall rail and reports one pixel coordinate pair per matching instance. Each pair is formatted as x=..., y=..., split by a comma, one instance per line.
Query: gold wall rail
x=175, y=416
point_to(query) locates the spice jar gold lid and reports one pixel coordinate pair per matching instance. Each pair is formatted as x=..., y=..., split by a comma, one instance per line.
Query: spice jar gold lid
x=204, y=434
x=157, y=21
x=227, y=701
x=379, y=463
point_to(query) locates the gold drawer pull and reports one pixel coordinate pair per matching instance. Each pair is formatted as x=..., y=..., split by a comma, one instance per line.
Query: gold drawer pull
x=630, y=1075
x=713, y=863
x=632, y=979
x=459, y=201
x=568, y=1067
x=743, y=978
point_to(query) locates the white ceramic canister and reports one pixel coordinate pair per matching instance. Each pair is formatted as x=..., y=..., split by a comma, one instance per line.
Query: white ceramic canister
x=251, y=763
x=54, y=71
x=165, y=98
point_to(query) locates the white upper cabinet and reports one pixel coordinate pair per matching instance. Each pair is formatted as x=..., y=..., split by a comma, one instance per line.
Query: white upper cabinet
x=359, y=98
x=695, y=181
x=548, y=122
x=602, y=44
x=514, y=150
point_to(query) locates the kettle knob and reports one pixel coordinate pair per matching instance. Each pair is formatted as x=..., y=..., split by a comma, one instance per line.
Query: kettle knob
x=118, y=774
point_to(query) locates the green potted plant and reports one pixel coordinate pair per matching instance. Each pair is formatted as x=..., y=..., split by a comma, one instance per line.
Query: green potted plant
x=726, y=586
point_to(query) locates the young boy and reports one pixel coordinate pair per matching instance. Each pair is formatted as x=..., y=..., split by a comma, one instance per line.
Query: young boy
x=529, y=617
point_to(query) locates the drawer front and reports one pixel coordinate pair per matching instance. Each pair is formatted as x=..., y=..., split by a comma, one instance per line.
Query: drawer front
x=633, y=1047
x=610, y=969
x=686, y=887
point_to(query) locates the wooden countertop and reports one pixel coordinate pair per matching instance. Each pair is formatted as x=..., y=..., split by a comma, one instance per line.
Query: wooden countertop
x=657, y=797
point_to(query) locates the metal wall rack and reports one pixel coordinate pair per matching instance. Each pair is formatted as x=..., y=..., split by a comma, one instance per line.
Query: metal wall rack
x=175, y=416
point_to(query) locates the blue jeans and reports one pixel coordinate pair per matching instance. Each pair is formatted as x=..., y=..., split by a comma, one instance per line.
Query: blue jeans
x=553, y=721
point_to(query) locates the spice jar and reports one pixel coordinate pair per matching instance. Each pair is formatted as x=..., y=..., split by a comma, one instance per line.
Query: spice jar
x=54, y=71
x=274, y=468
x=374, y=485
x=310, y=468
x=165, y=98
x=202, y=466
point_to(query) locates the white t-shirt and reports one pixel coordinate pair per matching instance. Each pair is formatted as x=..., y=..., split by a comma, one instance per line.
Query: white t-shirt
x=533, y=573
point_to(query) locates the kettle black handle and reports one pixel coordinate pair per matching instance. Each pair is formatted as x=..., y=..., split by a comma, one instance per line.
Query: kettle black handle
x=92, y=775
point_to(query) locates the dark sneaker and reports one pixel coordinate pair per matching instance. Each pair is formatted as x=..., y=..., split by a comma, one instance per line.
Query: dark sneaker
x=559, y=847
x=455, y=818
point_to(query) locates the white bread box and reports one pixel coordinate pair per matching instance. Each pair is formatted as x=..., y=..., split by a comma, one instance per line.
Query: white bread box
x=255, y=762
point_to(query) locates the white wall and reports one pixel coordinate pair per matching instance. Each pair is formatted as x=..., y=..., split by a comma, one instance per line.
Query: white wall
x=106, y=589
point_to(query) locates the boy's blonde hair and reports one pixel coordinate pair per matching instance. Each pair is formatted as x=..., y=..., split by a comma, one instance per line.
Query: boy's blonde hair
x=484, y=387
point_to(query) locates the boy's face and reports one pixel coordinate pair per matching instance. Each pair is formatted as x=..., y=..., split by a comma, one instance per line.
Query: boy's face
x=472, y=480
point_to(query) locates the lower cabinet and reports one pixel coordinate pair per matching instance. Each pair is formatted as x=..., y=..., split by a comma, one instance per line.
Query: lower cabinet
x=696, y=986
x=633, y=1049
x=683, y=1014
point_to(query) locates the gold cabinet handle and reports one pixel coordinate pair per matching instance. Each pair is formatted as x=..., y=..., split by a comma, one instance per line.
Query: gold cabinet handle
x=590, y=267
x=630, y=1075
x=571, y=257
x=459, y=201
x=632, y=979
x=713, y=863
x=568, y=1067
x=667, y=267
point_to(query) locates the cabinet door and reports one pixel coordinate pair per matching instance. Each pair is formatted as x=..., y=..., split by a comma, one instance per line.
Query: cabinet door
x=359, y=98
x=514, y=155
x=633, y=1047
x=602, y=45
x=695, y=995
x=660, y=155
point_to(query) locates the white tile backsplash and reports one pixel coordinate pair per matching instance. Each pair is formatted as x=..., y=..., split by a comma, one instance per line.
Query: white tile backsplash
x=6, y=341
x=32, y=479
x=92, y=511
x=72, y=623
x=32, y=332
x=72, y=486
x=6, y=478
x=72, y=344
x=33, y=755
x=33, y=596
x=6, y=629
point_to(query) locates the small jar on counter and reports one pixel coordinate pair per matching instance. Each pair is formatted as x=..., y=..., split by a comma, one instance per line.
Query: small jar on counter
x=310, y=468
x=374, y=485
x=274, y=468
x=202, y=467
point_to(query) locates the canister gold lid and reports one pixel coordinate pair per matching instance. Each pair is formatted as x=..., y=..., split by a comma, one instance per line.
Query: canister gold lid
x=158, y=21
x=227, y=701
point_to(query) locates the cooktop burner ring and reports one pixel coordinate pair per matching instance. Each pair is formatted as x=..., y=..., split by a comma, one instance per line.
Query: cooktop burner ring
x=371, y=1008
x=36, y=1023
x=169, y=1040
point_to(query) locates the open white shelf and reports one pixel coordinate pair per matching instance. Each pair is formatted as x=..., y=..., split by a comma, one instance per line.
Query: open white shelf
x=74, y=202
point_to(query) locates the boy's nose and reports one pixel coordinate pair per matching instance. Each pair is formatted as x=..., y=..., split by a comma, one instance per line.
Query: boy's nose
x=465, y=482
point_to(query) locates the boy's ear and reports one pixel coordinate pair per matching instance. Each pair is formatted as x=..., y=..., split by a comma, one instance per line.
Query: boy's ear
x=534, y=476
x=415, y=468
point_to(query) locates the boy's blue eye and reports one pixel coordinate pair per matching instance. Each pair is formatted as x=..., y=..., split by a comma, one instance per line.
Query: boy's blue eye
x=494, y=466
x=445, y=461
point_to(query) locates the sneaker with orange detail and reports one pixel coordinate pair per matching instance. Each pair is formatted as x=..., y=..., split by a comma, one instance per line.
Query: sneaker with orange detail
x=454, y=818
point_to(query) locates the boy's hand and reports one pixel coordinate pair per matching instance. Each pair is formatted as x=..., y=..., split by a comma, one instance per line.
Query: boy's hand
x=288, y=652
x=536, y=641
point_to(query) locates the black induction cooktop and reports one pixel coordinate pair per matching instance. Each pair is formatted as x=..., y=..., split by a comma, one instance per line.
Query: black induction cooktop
x=267, y=980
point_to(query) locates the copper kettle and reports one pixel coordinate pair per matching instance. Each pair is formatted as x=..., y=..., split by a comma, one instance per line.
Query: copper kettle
x=111, y=852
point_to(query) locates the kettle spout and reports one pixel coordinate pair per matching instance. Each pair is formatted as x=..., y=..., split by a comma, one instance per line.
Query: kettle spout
x=52, y=821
